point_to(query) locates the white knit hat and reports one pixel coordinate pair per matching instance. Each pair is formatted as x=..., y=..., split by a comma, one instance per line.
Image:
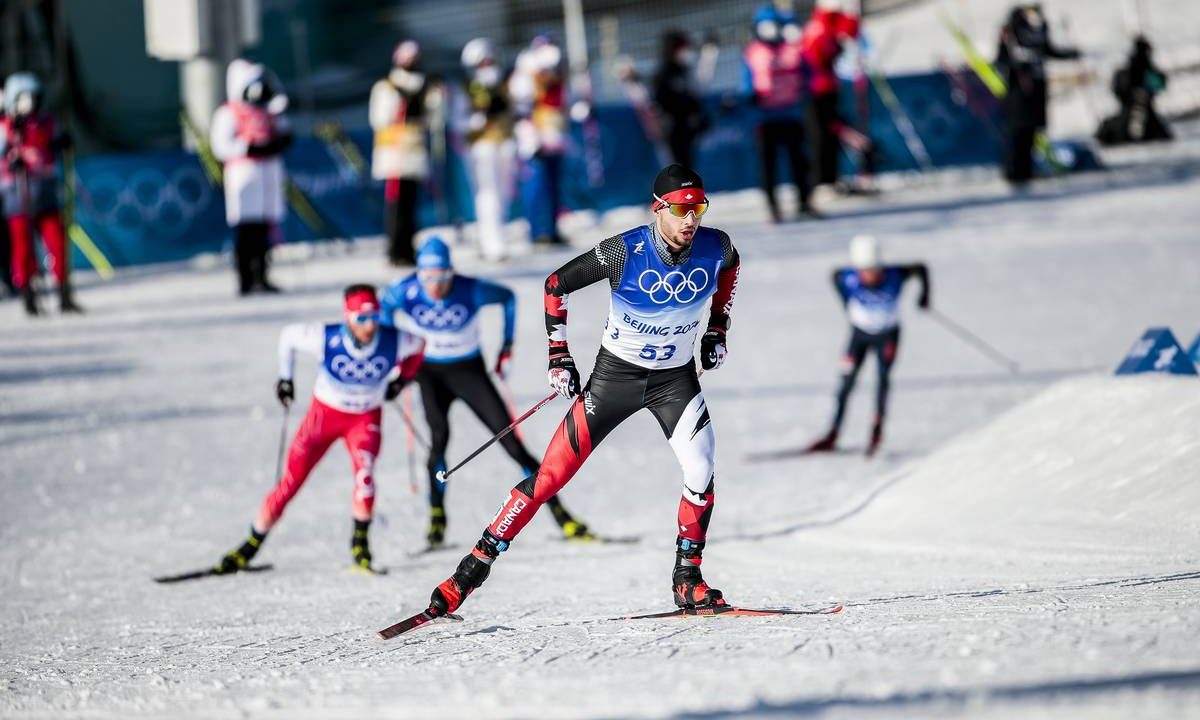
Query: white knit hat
x=864, y=252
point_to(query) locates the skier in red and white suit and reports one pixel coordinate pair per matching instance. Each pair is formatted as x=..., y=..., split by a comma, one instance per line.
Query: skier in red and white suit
x=665, y=278
x=362, y=365
x=249, y=134
x=30, y=142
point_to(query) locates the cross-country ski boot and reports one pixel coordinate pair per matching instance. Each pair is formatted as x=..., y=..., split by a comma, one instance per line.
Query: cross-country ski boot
x=825, y=443
x=436, y=534
x=876, y=437
x=238, y=558
x=360, y=549
x=686, y=581
x=471, y=572
x=572, y=529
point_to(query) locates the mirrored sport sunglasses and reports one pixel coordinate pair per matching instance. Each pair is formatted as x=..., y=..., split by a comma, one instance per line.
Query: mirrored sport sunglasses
x=366, y=317
x=680, y=210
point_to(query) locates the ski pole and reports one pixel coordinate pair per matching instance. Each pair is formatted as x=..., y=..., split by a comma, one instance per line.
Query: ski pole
x=973, y=339
x=282, y=443
x=444, y=475
x=412, y=427
x=411, y=437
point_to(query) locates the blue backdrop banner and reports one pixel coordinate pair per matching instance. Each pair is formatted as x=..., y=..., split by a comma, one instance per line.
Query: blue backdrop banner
x=159, y=206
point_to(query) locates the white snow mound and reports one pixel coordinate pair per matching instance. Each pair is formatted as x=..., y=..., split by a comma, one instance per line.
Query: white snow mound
x=1091, y=464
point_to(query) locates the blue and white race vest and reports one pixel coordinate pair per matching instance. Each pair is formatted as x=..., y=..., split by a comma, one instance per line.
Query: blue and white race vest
x=655, y=314
x=450, y=326
x=355, y=379
x=872, y=309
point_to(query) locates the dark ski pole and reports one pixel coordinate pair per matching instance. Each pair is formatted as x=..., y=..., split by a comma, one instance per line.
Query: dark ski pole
x=444, y=475
x=972, y=339
x=282, y=444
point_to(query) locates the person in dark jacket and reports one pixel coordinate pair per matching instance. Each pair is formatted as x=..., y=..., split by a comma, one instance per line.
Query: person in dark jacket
x=1024, y=47
x=1135, y=86
x=678, y=102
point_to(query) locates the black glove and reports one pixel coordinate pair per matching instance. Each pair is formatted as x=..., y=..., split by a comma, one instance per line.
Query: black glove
x=394, y=389
x=563, y=376
x=286, y=392
x=712, y=349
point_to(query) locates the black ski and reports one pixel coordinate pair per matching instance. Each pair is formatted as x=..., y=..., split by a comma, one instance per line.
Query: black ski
x=427, y=615
x=731, y=611
x=430, y=549
x=788, y=453
x=603, y=539
x=209, y=572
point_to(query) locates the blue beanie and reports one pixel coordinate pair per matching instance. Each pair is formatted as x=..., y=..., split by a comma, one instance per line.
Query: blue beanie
x=434, y=254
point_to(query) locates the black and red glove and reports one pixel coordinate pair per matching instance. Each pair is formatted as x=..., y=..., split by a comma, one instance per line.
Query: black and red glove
x=562, y=374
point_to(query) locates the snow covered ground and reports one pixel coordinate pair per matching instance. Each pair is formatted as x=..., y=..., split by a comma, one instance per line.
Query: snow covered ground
x=1026, y=546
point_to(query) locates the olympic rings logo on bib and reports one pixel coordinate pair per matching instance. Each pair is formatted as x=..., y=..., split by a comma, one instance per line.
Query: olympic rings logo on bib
x=440, y=318
x=347, y=369
x=662, y=289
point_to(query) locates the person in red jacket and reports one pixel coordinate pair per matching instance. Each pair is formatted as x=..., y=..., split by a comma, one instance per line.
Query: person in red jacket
x=29, y=145
x=773, y=77
x=831, y=25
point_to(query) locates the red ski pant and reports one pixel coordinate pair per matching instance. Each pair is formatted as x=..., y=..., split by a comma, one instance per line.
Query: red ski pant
x=615, y=391
x=24, y=258
x=321, y=426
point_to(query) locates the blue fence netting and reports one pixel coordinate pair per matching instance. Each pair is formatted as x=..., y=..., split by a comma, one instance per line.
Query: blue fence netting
x=159, y=206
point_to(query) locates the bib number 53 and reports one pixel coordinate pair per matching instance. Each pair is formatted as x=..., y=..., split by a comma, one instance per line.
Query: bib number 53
x=657, y=352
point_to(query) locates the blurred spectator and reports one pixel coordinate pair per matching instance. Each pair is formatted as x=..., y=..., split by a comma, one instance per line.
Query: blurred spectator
x=5, y=244
x=538, y=93
x=489, y=131
x=1135, y=86
x=30, y=143
x=831, y=25
x=774, y=77
x=398, y=117
x=249, y=134
x=678, y=102
x=1021, y=60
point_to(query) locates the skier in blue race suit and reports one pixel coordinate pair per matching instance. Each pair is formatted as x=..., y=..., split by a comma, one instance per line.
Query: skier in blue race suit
x=442, y=306
x=870, y=292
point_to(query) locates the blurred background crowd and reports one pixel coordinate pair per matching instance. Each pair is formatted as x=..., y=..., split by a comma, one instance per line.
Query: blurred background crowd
x=158, y=130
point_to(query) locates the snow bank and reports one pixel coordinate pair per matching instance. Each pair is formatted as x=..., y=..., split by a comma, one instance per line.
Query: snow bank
x=1092, y=463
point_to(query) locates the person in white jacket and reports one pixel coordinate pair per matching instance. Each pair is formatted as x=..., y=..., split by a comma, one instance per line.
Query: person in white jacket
x=249, y=134
x=398, y=116
x=489, y=131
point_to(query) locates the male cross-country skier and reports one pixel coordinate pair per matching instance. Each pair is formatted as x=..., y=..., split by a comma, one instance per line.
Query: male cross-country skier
x=870, y=292
x=442, y=307
x=362, y=364
x=664, y=277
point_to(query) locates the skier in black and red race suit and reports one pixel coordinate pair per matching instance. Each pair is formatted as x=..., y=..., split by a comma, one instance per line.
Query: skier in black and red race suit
x=663, y=277
x=870, y=292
